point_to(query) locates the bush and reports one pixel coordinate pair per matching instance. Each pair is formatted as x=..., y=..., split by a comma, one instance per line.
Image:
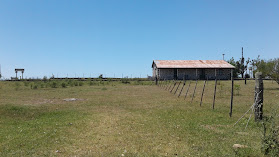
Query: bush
x=63, y=84
x=125, y=80
x=70, y=83
x=270, y=136
x=91, y=83
x=80, y=83
x=237, y=88
x=54, y=84
x=35, y=86
x=269, y=68
x=45, y=79
x=76, y=83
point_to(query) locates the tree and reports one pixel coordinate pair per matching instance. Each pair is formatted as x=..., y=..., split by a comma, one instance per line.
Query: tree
x=236, y=64
x=240, y=66
x=269, y=68
x=100, y=76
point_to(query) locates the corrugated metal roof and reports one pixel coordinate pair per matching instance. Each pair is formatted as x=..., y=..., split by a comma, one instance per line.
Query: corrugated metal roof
x=192, y=64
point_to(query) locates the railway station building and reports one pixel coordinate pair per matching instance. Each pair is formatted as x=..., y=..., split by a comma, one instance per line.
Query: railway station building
x=192, y=69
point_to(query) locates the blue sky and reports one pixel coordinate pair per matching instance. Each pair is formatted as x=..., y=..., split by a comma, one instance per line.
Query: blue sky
x=90, y=37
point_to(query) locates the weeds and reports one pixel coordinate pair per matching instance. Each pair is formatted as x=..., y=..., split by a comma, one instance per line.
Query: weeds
x=91, y=83
x=125, y=81
x=35, y=86
x=63, y=85
x=54, y=84
x=80, y=83
x=17, y=85
x=26, y=83
x=270, y=135
x=237, y=88
x=221, y=87
x=76, y=83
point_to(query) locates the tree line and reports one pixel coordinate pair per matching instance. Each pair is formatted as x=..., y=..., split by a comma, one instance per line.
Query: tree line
x=269, y=68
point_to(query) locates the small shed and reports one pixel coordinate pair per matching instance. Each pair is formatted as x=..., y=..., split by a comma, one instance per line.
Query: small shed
x=192, y=69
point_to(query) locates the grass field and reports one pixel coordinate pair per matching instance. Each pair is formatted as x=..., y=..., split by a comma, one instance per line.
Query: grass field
x=136, y=119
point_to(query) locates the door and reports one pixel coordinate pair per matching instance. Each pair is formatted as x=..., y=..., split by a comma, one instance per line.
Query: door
x=202, y=76
x=175, y=74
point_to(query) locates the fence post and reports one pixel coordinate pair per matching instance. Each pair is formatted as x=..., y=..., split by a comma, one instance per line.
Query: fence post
x=173, y=86
x=213, y=105
x=194, y=91
x=258, y=96
x=187, y=90
x=170, y=85
x=177, y=87
x=231, y=93
x=182, y=88
x=202, y=92
x=156, y=80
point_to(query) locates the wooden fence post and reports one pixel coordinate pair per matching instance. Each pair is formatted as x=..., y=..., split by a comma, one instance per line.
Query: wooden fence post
x=156, y=80
x=187, y=90
x=258, y=96
x=194, y=91
x=170, y=85
x=182, y=88
x=202, y=92
x=167, y=85
x=177, y=87
x=173, y=86
x=214, y=93
x=231, y=93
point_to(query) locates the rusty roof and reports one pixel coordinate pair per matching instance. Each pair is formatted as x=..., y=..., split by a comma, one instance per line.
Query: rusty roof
x=192, y=64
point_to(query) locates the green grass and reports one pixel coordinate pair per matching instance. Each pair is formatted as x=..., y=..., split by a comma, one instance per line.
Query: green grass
x=133, y=119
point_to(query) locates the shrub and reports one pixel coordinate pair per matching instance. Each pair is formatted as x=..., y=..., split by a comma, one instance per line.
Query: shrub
x=45, y=79
x=31, y=85
x=125, y=80
x=35, y=86
x=237, y=88
x=221, y=87
x=91, y=83
x=270, y=136
x=70, y=83
x=54, y=84
x=63, y=84
x=80, y=83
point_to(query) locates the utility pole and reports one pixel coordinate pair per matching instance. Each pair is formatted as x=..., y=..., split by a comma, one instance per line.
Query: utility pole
x=223, y=56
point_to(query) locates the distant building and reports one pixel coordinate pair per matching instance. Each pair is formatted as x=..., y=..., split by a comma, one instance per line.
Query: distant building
x=191, y=69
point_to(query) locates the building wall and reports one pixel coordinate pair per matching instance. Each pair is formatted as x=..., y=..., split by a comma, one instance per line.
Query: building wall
x=191, y=74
